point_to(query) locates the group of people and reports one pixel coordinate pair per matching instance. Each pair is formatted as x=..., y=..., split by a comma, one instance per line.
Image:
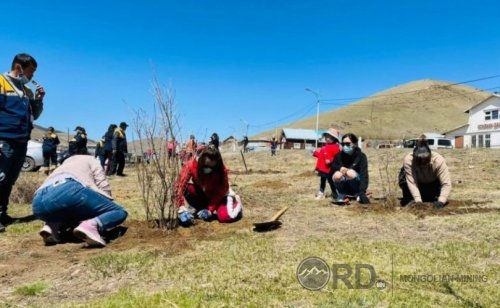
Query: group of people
x=112, y=149
x=424, y=176
x=77, y=195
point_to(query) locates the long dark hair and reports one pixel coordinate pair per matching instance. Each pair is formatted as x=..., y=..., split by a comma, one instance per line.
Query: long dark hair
x=213, y=154
x=422, y=152
x=111, y=128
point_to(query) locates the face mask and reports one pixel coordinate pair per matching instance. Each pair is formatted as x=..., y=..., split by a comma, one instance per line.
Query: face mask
x=207, y=170
x=22, y=78
x=347, y=149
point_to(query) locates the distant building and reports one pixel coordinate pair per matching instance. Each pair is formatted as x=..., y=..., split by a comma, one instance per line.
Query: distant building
x=483, y=129
x=298, y=138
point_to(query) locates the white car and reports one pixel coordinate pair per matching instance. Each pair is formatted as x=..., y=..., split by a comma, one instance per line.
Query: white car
x=34, y=157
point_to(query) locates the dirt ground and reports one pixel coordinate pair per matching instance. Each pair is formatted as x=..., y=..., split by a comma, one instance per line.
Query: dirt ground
x=270, y=184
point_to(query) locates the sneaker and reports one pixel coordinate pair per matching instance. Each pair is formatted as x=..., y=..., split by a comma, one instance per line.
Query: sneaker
x=341, y=198
x=88, y=231
x=2, y=227
x=50, y=234
x=320, y=196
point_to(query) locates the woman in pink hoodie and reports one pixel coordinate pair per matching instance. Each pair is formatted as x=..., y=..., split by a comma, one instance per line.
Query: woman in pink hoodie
x=323, y=165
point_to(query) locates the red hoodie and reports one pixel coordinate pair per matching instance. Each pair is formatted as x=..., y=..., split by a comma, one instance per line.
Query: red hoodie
x=214, y=190
x=327, y=152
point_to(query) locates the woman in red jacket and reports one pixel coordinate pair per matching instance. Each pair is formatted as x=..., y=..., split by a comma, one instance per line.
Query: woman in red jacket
x=208, y=193
x=325, y=158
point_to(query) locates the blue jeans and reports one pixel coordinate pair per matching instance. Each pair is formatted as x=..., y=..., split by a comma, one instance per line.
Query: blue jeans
x=12, y=157
x=348, y=187
x=71, y=203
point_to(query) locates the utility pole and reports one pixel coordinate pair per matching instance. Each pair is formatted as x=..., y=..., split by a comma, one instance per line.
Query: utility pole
x=247, y=125
x=317, y=114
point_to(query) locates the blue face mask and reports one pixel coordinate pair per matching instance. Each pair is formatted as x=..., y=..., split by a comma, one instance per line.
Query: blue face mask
x=347, y=149
x=207, y=170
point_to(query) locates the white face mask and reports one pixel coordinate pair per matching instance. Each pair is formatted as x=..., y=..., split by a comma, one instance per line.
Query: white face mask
x=23, y=79
x=207, y=170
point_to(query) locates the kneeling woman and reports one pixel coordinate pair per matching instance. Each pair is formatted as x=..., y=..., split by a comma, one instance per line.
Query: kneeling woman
x=77, y=194
x=350, y=170
x=208, y=195
x=424, y=177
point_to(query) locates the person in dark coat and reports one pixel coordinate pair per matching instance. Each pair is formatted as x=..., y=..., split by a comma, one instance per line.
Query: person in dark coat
x=350, y=171
x=119, y=144
x=99, y=152
x=49, y=148
x=214, y=140
x=108, y=147
x=78, y=144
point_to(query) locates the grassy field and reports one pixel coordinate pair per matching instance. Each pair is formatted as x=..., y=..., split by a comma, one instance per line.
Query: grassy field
x=212, y=264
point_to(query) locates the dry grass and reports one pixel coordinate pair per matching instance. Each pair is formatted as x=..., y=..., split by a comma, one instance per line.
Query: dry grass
x=214, y=264
x=26, y=186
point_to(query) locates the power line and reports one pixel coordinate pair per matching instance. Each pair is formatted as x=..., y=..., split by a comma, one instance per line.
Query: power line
x=413, y=91
x=307, y=108
x=429, y=100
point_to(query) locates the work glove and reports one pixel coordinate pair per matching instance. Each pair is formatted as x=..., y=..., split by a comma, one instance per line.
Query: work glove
x=363, y=199
x=185, y=216
x=204, y=214
x=438, y=204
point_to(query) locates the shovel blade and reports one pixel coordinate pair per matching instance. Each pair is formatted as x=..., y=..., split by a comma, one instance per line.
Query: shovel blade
x=266, y=226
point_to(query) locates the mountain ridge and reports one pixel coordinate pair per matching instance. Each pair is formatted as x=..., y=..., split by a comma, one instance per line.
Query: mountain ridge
x=403, y=111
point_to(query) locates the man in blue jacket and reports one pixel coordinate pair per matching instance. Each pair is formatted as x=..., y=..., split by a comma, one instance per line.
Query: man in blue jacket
x=18, y=108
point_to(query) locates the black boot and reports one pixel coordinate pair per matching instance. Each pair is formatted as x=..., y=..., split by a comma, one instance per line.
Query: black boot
x=6, y=220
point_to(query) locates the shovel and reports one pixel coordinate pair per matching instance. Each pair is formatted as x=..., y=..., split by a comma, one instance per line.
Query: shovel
x=272, y=224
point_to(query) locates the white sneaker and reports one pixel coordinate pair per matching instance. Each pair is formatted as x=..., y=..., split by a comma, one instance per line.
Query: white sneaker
x=49, y=234
x=320, y=196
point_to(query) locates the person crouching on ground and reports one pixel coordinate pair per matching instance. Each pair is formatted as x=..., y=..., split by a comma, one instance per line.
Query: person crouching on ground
x=424, y=177
x=350, y=171
x=208, y=196
x=325, y=157
x=77, y=194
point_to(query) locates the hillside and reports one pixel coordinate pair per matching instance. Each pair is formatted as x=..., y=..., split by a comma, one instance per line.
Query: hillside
x=400, y=112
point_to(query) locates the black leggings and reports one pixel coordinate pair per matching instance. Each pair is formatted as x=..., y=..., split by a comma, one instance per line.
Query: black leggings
x=322, y=184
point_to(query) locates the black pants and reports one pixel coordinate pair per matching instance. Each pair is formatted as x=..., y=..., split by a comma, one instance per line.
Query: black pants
x=324, y=177
x=50, y=158
x=118, y=163
x=428, y=192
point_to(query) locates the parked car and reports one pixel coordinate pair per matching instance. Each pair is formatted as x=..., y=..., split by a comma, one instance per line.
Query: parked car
x=434, y=143
x=34, y=157
x=385, y=146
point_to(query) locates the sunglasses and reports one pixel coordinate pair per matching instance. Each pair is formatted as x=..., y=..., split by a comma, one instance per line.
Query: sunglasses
x=346, y=143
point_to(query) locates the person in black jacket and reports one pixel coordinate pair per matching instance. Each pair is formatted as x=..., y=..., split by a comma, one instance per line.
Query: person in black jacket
x=214, y=140
x=350, y=170
x=119, y=144
x=108, y=147
x=99, y=151
x=78, y=144
x=49, y=149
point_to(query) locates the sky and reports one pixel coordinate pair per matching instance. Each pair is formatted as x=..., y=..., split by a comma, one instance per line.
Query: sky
x=238, y=65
